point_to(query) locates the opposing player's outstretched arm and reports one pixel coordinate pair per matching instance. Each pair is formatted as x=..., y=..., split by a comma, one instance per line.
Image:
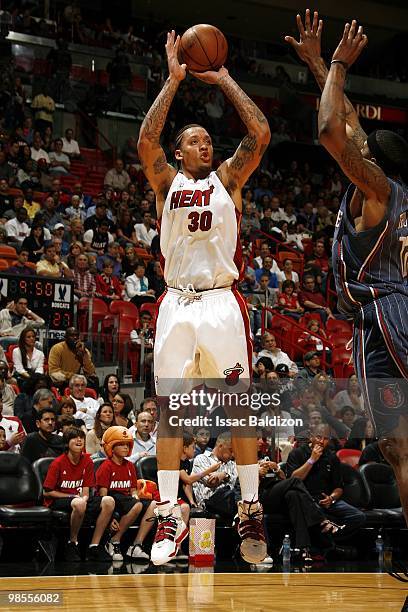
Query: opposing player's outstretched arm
x=158, y=172
x=366, y=175
x=234, y=172
x=308, y=49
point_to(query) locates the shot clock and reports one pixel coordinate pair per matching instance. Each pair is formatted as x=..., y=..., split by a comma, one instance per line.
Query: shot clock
x=50, y=298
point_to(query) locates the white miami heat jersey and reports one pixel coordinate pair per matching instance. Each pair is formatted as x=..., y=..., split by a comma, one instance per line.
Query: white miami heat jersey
x=199, y=234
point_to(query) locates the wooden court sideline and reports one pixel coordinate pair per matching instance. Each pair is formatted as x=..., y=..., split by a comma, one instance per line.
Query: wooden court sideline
x=196, y=592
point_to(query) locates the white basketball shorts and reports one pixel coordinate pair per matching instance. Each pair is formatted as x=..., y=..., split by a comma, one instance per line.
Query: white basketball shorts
x=201, y=337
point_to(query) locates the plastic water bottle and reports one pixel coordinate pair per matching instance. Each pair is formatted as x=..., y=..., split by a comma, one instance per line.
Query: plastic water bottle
x=379, y=547
x=286, y=549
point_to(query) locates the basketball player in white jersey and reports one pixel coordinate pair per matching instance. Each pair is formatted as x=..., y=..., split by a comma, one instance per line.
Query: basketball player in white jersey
x=203, y=326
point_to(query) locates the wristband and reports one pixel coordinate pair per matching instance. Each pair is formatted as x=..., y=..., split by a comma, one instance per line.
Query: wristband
x=344, y=64
x=310, y=461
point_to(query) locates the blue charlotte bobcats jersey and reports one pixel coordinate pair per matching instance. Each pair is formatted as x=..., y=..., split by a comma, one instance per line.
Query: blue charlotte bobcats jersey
x=374, y=263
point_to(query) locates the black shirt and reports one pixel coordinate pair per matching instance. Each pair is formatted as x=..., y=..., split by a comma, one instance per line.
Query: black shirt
x=372, y=453
x=325, y=475
x=187, y=466
x=35, y=446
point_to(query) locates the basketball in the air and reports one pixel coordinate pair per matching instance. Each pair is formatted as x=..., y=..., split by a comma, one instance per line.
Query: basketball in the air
x=203, y=47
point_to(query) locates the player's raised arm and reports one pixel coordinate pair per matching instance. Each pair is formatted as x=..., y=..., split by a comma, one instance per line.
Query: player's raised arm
x=365, y=174
x=308, y=48
x=158, y=172
x=234, y=172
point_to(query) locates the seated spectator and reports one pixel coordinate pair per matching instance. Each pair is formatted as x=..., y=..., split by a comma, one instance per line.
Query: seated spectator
x=70, y=146
x=51, y=265
x=312, y=300
x=3, y=442
x=113, y=255
x=7, y=393
x=117, y=476
x=34, y=243
x=125, y=226
x=29, y=177
x=44, y=108
x=267, y=269
x=23, y=402
x=352, y=396
x=291, y=498
x=288, y=302
x=202, y=438
x=319, y=257
x=129, y=261
x=348, y=416
x=30, y=205
x=277, y=356
x=14, y=318
x=37, y=152
x=156, y=278
x=117, y=178
x=122, y=407
x=108, y=287
x=144, y=444
x=27, y=359
x=96, y=241
x=76, y=210
x=43, y=398
x=361, y=434
x=20, y=268
x=287, y=273
x=15, y=432
x=100, y=212
x=137, y=287
x=67, y=487
x=319, y=469
x=111, y=386
x=311, y=363
x=84, y=281
x=69, y=357
x=86, y=407
x=61, y=245
x=75, y=249
x=149, y=404
x=145, y=332
x=308, y=341
x=323, y=386
x=262, y=367
x=225, y=474
x=17, y=228
x=145, y=232
x=50, y=214
x=104, y=418
x=44, y=442
x=59, y=161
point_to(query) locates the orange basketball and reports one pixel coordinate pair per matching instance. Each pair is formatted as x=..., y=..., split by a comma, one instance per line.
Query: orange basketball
x=203, y=47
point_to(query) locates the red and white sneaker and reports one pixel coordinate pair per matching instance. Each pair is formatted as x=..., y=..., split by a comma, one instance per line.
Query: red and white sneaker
x=171, y=531
x=250, y=528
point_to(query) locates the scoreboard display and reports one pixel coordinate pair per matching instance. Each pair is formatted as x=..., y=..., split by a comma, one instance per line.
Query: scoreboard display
x=50, y=298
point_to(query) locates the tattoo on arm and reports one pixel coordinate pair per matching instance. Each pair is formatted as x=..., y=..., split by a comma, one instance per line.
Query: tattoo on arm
x=160, y=164
x=362, y=171
x=320, y=72
x=250, y=114
x=245, y=152
x=154, y=121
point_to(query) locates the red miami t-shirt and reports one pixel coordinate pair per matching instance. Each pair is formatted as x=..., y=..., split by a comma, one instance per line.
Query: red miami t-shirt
x=66, y=477
x=116, y=478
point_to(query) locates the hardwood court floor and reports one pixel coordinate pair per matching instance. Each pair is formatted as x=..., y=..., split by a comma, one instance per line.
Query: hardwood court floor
x=206, y=592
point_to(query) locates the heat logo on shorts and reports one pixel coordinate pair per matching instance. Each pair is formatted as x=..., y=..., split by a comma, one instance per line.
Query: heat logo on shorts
x=391, y=396
x=232, y=374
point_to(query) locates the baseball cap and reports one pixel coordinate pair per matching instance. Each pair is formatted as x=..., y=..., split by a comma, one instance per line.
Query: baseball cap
x=308, y=356
x=58, y=226
x=282, y=368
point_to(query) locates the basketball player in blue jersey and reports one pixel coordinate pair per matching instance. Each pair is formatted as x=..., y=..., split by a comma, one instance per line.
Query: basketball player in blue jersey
x=203, y=326
x=370, y=249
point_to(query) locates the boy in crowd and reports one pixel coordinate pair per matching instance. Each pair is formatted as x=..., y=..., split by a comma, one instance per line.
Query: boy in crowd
x=66, y=487
x=117, y=477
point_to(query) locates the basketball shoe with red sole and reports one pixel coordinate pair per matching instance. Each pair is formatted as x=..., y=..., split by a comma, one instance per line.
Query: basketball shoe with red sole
x=171, y=531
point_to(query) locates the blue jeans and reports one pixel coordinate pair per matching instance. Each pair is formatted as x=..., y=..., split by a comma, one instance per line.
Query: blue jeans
x=343, y=513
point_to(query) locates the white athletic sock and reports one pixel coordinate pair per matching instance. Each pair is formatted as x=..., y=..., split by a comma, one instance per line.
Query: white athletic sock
x=168, y=485
x=248, y=479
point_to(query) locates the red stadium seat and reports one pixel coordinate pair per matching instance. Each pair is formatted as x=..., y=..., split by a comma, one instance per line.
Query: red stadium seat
x=8, y=252
x=308, y=316
x=4, y=264
x=339, y=340
x=99, y=312
x=283, y=332
x=88, y=392
x=128, y=309
x=338, y=326
x=350, y=456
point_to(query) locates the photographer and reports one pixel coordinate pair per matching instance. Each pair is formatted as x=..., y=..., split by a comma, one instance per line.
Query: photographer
x=70, y=357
